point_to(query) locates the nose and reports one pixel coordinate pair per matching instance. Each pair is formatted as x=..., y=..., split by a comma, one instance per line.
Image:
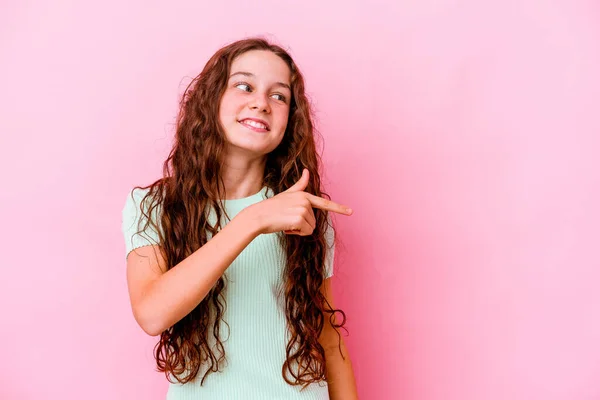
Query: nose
x=260, y=102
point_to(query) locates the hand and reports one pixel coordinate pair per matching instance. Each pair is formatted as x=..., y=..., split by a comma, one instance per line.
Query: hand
x=291, y=211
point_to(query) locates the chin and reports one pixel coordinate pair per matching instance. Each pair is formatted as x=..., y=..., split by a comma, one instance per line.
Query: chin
x=241, y=146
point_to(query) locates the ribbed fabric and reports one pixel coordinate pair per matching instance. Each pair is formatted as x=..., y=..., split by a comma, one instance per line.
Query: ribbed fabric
x=257, y=335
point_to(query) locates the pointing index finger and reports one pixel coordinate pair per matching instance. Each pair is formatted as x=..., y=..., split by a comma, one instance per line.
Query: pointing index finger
x=325, y=204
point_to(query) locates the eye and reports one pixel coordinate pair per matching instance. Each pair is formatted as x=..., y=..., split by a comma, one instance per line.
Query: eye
x=279, y=97
x=243, y=86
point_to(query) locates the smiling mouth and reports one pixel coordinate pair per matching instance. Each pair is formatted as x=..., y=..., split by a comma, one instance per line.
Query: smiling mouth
x=254, y=125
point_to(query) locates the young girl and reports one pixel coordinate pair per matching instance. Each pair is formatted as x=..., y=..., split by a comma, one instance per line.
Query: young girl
x=229, y=255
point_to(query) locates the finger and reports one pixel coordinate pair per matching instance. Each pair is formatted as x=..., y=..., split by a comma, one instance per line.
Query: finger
x=303, y=229
x=310, y=218
x=325, y=204
x=301, y=184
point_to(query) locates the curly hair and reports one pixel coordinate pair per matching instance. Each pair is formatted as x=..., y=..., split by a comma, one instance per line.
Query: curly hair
x=192, y=182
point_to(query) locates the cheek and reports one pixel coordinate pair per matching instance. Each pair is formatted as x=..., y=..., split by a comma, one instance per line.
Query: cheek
x=229, y=105
x=283, y=115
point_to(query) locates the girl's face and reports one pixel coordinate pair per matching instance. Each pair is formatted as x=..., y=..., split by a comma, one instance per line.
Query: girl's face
x=255, y=106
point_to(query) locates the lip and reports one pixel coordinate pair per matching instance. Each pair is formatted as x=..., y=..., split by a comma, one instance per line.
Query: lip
x=255, y=120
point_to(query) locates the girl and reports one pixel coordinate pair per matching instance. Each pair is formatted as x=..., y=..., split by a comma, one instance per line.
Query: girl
x=229, y=255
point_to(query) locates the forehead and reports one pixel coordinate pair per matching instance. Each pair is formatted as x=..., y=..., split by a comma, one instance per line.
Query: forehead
x=264, y=64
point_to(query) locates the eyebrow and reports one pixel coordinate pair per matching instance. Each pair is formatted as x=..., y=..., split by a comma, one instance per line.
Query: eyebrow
x=251, y=75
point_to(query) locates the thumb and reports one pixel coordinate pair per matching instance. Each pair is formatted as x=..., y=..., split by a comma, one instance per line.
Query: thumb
x=302, y=182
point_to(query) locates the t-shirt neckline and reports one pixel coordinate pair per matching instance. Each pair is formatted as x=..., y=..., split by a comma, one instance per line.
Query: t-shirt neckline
x=249, y=199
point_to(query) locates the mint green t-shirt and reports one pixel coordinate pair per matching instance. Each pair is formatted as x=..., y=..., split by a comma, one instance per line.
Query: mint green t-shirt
x=257, y=336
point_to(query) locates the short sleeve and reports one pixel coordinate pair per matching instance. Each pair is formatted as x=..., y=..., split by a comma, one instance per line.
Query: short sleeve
x=133, y=221
x=330, y=252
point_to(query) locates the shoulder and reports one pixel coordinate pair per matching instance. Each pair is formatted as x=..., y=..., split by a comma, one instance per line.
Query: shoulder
x=136, y=199
x=135, y=225
x=138, y=206
x=136, y=195
x=329, y=229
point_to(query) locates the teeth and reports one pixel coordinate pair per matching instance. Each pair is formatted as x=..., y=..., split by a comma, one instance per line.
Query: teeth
x=254, y=124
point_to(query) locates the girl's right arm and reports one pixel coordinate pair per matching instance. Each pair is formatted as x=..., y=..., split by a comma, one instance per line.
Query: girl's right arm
x=160, y=298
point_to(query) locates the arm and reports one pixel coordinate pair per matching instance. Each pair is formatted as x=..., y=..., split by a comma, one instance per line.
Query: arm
x=160, y=298
x=340, y=376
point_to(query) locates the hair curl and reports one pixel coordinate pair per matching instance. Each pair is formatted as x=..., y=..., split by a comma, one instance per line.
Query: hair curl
x=192, y=181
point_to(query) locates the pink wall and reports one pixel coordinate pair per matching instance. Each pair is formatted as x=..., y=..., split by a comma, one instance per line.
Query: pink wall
x=462, y=133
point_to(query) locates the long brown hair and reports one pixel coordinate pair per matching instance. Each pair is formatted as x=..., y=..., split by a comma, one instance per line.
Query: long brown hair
x=192, y=182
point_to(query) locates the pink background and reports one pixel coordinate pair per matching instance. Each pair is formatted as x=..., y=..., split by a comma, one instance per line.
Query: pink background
x=463, y=133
